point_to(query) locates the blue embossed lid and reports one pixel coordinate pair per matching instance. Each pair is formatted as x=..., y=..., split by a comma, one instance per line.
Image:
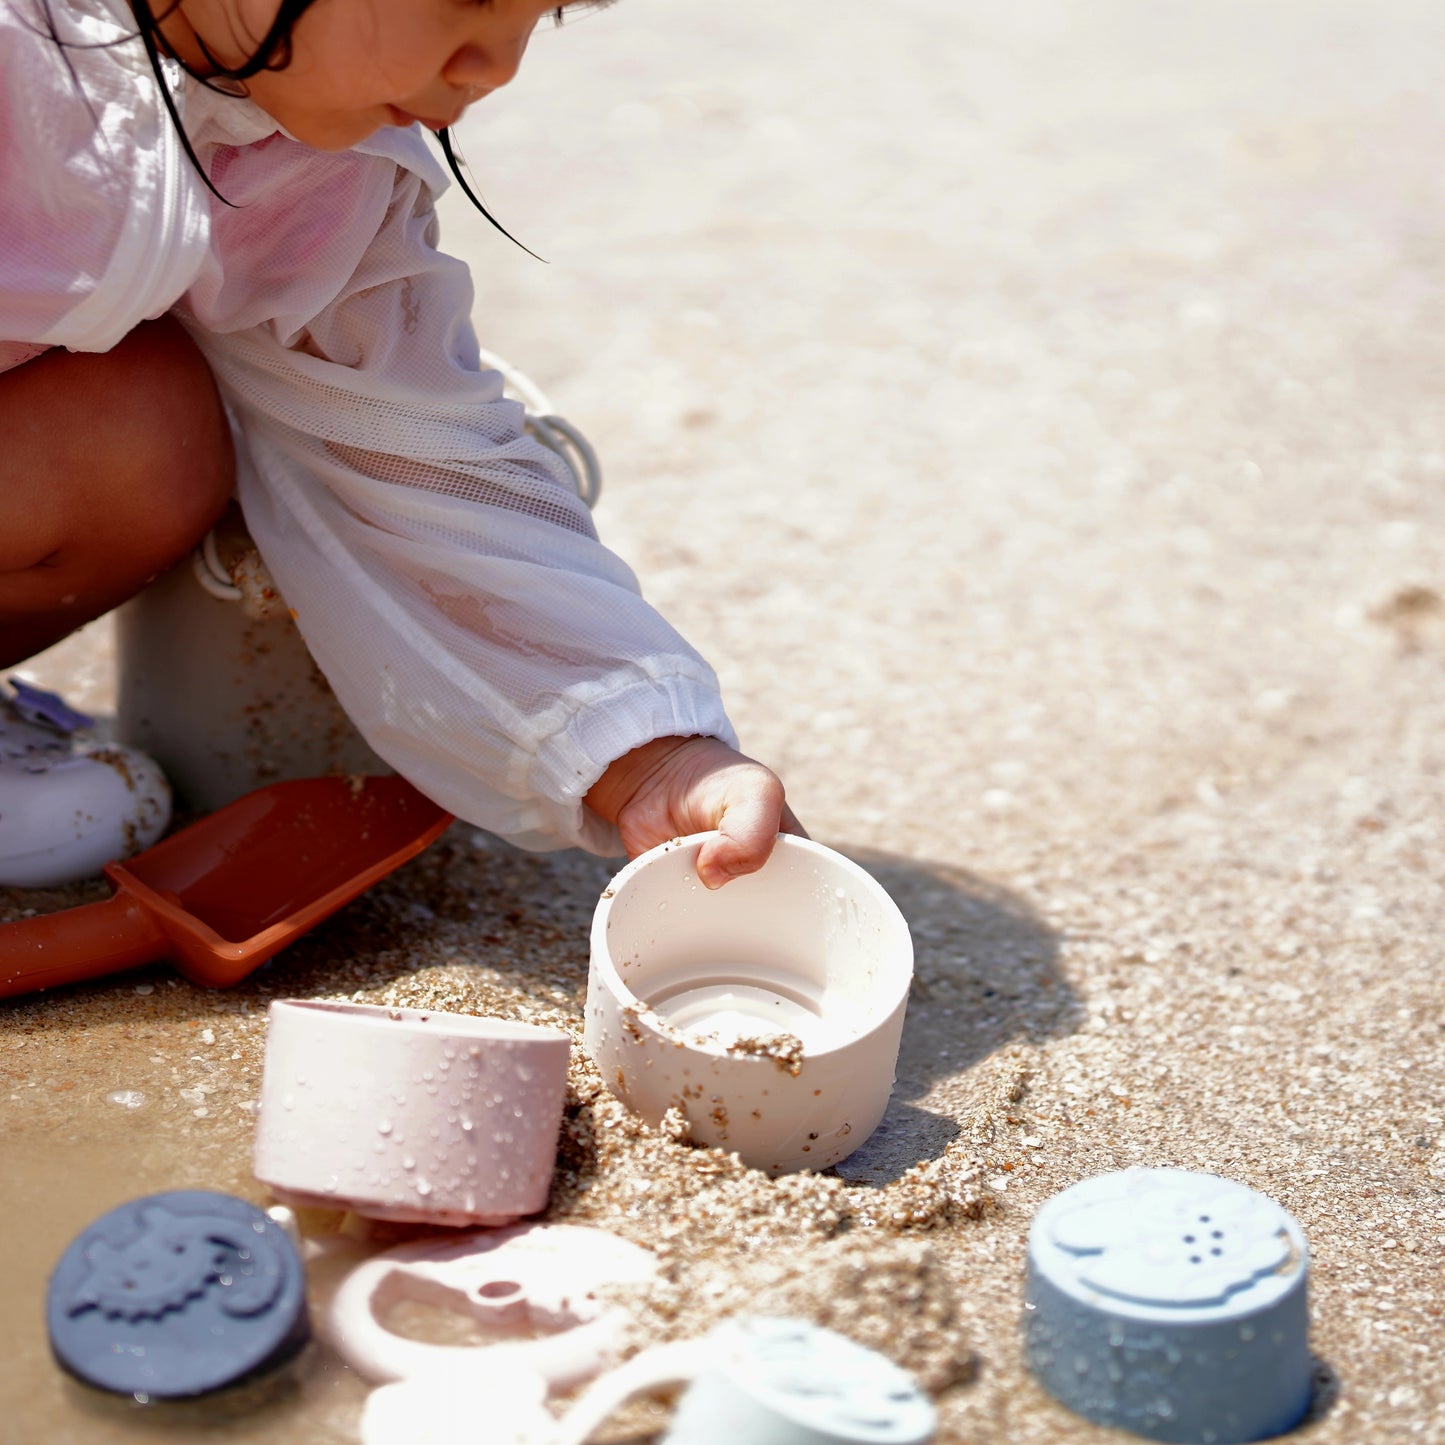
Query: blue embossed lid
x=177, y=1295
x=1171, y=1304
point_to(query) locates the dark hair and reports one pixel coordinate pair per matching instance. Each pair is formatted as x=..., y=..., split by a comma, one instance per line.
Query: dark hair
x=273, y=52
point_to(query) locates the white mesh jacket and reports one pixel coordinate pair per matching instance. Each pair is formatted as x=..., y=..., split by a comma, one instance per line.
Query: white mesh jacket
x=443, y=573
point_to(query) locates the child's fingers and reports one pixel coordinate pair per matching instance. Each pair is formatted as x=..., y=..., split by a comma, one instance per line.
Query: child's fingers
x=678, y=786
x=746, y=833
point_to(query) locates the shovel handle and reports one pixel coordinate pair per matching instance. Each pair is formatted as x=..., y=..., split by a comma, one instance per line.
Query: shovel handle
x=77, y=943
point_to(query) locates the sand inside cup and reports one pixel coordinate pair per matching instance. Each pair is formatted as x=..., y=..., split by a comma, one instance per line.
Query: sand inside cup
x=732, y=1012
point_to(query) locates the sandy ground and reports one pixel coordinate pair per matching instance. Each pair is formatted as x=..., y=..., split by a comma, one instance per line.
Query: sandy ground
x=1035, y=413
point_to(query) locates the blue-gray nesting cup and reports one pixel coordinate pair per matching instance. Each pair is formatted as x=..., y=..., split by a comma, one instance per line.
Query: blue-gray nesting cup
x=1171, y=1304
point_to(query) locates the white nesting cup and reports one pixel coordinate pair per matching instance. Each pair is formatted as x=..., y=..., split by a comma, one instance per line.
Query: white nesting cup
x=765, y=1381
x=766, y=1014
x=409, y=1114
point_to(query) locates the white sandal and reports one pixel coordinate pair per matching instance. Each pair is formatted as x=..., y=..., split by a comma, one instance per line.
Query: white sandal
x=69, y=804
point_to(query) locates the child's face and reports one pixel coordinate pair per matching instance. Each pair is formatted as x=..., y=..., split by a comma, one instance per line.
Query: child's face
x=359, y=65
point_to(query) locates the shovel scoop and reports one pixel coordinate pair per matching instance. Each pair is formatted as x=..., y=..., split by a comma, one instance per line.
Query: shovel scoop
x=223, y=895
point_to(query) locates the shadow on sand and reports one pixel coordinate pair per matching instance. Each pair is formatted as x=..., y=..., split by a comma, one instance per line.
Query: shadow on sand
x=985, y=975
x=986, y=971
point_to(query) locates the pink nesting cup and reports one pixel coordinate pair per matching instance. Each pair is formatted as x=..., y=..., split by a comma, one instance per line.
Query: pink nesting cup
x=409, y=1114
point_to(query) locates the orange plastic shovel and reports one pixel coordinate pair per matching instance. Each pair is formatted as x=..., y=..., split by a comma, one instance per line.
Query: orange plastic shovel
x=223, y=895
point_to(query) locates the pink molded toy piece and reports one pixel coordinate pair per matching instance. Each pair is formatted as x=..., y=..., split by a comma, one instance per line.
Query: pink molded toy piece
x=532, y=1286
x=409, y=1114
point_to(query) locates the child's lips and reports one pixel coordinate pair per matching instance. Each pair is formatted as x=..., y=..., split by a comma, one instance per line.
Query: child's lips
x=406, y=118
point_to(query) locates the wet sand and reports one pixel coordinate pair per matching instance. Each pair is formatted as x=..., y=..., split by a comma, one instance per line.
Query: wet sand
x=1037, y=419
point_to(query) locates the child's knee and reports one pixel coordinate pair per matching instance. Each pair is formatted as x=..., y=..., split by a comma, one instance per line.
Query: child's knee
x=128, y=450
x=174, y=468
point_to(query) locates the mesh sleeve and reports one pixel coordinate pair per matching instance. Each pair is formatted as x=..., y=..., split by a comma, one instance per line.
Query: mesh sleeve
x=445, y=576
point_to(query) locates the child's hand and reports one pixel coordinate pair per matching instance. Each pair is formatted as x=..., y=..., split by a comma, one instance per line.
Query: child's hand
x=673, y=786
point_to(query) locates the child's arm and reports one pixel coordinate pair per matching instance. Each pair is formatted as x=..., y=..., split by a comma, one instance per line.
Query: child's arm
x=443, y=571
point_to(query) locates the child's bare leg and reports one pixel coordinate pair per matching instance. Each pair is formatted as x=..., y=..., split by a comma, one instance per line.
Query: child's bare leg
x=112, y=466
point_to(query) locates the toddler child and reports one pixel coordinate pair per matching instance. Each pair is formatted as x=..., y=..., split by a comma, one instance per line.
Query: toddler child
x=219, y=273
